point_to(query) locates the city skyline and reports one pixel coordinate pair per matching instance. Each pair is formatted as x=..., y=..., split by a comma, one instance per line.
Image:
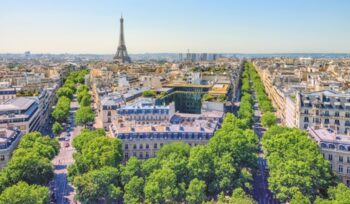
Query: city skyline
x=87, y=27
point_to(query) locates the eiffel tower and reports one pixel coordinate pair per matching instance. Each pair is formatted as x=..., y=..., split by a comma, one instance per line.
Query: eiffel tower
x=122, y=55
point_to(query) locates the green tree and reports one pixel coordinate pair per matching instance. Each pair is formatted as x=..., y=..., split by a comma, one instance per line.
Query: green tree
x=99, y=152
x=222, y=98
x=86, y=136
x=149, y=94
x=207, y=97
x=80, y=78
x=295, y=163
x=339, y=194
x=268, y=119
x=132, y=168
x=161, y=187
x=85, y=100
x=41, y=145
x=150, y=165
x=83, y=93
x=29, y=168
x=65, y=91
x=195, y=193
x=201, y=164
x=56, y=128
x=178, y=148
x=239, y=196
x=299, y=198
x=23, y=193
x=225, y=173
x=69, y=83
x=82, y=88
x=97, y=184
x=61, y=111
x=84, y=115
x=133, y=191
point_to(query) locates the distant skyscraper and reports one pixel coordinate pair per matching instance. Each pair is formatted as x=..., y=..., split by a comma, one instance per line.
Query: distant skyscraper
x=122, y=55
x=180, y=57
x=204, y=57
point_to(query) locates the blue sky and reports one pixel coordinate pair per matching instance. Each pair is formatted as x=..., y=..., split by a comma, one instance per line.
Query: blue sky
x=237, y=26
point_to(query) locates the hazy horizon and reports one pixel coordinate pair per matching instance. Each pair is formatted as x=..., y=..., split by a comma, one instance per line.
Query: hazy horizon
x=238, y=27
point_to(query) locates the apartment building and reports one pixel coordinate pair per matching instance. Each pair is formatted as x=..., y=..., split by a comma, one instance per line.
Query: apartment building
x=9, y=139
x=328, y=109
x=145, y=127
x=7, y=94
x=335, y=148
x=21, y=113
x=108, y=108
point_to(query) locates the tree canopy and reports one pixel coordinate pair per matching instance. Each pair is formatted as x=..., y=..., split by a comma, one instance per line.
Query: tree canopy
x=57, y=128
x=61, y=111
x=149, y=93
x=84, y=115
x=295, y=163
x=30, y=162
x=65, y=91
x=268, y=119
x=97, y=184
x=23, y=193
x=94, y=151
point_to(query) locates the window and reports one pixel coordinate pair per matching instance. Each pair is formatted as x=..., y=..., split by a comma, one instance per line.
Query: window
x=306, y=111
x=126, y=155
x=161, y=144
x=326, y=113
x=330, y=157
x=348, y=159
x=340, y=169
x=126, y=146
x=135, y=146
x=340, y=158
x=2, y=157
x=141, y=146
x=155, y=146
x=347, y=115
x=147, y=146
x=341, y=147
x=336, y=114
x=147, y=155
x=141, y=155
x=306, y=119
x=326, y=121
x=348, y=170
x=337, y=122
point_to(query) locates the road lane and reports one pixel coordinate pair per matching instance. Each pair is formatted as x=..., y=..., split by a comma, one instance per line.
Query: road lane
x=63, y=190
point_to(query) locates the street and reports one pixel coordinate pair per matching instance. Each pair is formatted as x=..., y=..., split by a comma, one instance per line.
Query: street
x=63, y=191
x=261, y=193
